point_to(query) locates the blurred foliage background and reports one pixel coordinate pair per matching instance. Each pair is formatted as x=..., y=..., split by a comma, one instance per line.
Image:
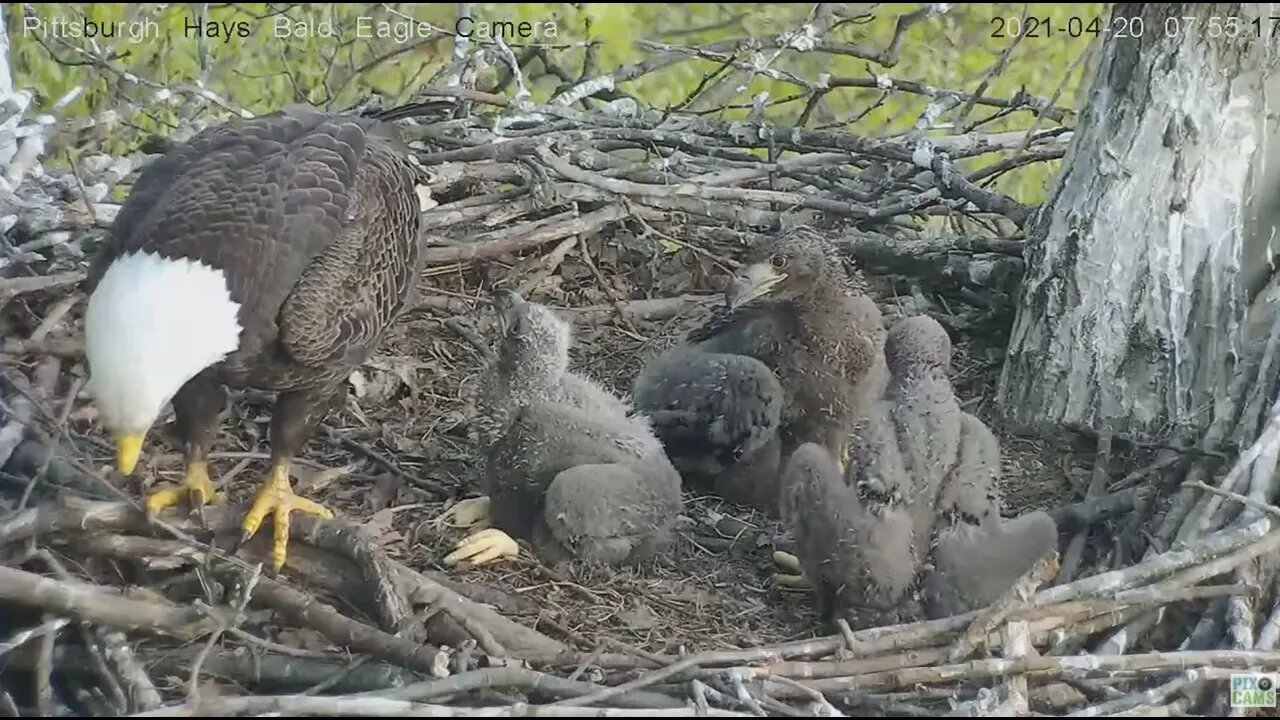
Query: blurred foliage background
x=157, y=62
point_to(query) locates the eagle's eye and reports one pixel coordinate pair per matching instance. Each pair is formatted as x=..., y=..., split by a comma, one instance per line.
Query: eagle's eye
x=779, y=262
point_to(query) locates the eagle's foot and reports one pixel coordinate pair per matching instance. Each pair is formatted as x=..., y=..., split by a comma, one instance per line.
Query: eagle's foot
x=471, y=513
x=276, y=498
x=195, y=484
x=793, y=576
x=482, y=548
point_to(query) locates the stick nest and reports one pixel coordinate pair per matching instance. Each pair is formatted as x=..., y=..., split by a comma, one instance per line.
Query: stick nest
x=626, y=218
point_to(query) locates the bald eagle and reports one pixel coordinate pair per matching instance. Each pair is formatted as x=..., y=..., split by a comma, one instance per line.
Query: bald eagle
x=269, y=253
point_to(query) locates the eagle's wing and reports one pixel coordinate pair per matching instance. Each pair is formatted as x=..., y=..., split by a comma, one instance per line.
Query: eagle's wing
x=745, y=331
x=356, y=287
x=720, y=319
x=259, y=199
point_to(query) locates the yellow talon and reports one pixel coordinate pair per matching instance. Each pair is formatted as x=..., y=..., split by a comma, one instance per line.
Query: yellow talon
x=793, y=582
x=196, y=483
x=787, y=561
x=470, y=513
x=794, y=576
x=276, y=498
x=484, y=547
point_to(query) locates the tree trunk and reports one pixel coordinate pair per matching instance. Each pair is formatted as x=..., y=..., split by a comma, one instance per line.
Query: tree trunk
x=1141, y=266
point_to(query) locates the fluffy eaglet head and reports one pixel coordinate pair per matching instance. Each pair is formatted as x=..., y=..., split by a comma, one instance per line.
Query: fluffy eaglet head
x=534, y=340
x=152, y=324
x=918, y=345
x=788, y=267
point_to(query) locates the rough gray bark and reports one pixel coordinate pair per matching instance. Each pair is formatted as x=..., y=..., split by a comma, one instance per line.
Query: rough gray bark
x=1135, y=295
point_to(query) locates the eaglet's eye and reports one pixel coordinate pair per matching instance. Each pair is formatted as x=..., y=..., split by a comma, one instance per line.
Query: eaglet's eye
x=779, y=262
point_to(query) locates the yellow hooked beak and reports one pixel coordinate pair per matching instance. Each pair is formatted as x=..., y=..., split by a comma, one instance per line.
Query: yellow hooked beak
x=755, y=281
x=128, y=448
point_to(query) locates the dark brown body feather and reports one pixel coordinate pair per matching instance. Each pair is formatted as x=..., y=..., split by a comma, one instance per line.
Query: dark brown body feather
x=314, y=219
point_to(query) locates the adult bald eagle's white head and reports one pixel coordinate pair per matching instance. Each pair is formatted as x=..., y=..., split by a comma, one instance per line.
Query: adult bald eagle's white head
x=152, y=324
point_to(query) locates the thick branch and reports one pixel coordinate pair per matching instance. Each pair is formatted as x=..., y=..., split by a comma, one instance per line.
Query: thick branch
x=94, y=605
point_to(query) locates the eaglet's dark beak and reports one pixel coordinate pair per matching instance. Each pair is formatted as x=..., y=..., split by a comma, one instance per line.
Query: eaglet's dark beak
x=752, y=282
x=505, y=302
x=505, y=298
